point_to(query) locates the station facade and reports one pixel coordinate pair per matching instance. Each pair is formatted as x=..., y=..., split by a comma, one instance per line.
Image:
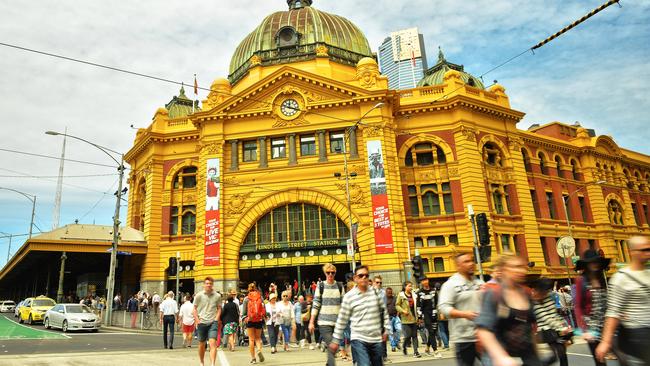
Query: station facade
x=253, y=184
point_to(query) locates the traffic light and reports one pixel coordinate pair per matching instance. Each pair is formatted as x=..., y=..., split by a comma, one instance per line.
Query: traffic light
x=173, y=266
x=483, y=229
x=417, y=268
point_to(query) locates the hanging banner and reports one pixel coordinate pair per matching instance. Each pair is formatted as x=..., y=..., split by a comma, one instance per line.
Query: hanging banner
x=380, y=213
x=212, y=222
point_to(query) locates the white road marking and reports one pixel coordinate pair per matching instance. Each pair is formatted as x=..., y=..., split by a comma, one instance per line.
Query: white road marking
x=578, y=354
x=222, y=358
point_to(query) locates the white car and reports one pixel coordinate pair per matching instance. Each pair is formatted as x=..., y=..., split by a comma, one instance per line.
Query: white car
x=17, y=309
x=72, y=317
x=7, y=306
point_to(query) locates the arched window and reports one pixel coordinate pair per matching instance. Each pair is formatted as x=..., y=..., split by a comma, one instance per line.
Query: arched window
x=297, y=222
x=524, y=154
x=615, y=211
x=186, y=178
x=142, y=192
x=425, y=154
x=558, y=166
x=542, y=163
x=492, y=154
x=574, y=169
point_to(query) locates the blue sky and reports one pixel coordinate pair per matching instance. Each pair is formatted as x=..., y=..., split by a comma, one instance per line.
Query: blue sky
x=596, y=74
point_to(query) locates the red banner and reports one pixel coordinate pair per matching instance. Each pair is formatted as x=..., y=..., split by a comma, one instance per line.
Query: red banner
x=212, y=237
x=380, y=211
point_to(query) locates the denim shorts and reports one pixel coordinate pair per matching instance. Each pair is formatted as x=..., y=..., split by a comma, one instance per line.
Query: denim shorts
x=205, y=331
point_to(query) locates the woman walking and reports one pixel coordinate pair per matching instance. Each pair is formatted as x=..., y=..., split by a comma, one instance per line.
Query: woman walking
x=273, y=321
x=551, y=327
x=406, y=308
x=505, y=322
x=591, y=298
x=287, y=317
x=253, y=316
x=230, y=320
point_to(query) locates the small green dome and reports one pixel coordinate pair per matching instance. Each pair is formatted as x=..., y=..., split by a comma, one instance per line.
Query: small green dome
x=301, y=33
x=435, y=75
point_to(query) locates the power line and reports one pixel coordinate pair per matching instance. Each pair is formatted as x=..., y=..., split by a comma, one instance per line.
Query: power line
x=52, y=180
x=55, y=157
x=98, y=201
x=56, y=176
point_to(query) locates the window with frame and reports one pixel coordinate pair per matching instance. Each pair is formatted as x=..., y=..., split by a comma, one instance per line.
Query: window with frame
x=436, y=241
x=558, y=166
x=307, y=145
x=280, y=229
x=413, y=201
x=492, y=154
x=188, y=221
x=278, y=148
x=533, y=197
x=645, y=211
x=453, y=239
x=296, y=223
x=312, y=222
x=438, y=264
x=547, y=258
x=425, y=265
x=574, y=170
x=583, y=208
x=622, y=246
x=430, y=199
x=173, y=221
x=337, y=141
x=418, y=242
x=329, y=225
x=249, y=150
x=524, y=154
x=186, y=177
x=497, y=199
x=425, y=154
x=542, y=164
x=637, y=220
x=506, y=245
x=551, y=205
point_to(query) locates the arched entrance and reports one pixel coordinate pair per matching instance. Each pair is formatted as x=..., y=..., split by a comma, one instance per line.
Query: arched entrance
x=291, y=242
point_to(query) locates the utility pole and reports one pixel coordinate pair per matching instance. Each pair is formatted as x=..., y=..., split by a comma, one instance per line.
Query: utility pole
x=56, y=214
x=178, y=274
x=477, y=254
x=116, y=236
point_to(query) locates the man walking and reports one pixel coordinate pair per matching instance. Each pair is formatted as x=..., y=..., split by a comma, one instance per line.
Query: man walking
x=459, y=302
x=376, y=285
x=427, y=300
x=628, y=305
x=207, y=311
x=326, y=307
x=168, y=318
x=364, y=310
x=395, y=329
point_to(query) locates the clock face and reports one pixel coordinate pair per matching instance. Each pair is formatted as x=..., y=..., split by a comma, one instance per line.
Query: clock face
x=289, y=107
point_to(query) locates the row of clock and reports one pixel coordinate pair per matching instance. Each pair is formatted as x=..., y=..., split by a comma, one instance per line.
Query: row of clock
x=311, y=253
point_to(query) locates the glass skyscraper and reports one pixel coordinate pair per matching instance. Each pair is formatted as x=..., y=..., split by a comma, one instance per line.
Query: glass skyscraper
x=402, y=58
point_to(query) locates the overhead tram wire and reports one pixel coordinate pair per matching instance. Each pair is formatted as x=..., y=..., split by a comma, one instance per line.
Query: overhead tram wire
x=273, y=104
x=56, y=176
x=55, y=157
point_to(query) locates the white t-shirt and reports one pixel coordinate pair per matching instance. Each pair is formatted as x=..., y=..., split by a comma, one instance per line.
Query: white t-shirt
x=186, y=313
x=273, y=315
x=169, y=307
x=287, y=314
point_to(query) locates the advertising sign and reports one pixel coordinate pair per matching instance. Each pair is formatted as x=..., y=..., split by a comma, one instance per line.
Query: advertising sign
x=380, y=212
x=212, y=220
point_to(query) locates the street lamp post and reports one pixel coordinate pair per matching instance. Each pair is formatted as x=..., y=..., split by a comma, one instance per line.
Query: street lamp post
x=110, y=286
x=347, y=177
x=31, y=198
x=10, y=236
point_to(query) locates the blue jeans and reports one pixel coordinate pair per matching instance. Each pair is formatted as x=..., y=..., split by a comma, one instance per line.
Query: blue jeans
x=444, y=333
x=395, y=331
x=286, y=331
x=367, y=354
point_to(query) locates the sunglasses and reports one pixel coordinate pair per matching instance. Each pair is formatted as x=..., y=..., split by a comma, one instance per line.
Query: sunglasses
x=330, y=273
x=378, y=282
x=363, y=275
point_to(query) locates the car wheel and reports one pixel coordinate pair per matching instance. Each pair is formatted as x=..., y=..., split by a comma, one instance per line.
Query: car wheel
x=95, y=330
x=20, y=319
x=29, y=320
x=46, y=323
x=64, y=327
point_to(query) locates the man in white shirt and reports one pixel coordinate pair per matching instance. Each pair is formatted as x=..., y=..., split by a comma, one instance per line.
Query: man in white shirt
x=186, y=317
x=155, y=301
x=168, y=318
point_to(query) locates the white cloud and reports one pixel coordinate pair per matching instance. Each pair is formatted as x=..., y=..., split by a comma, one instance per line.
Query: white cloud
x=595, y=74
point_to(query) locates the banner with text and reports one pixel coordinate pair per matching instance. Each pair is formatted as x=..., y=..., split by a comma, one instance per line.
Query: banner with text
x=212, y=220
x=380, y=213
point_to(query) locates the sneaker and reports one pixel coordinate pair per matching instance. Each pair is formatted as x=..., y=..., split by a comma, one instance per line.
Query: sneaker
x=417, y=355
x=405, y=351
x=437, y=354
x=253, y=361
x=427, y=351
x=393, y=349
x=311, y=346
x=260, y=356
x=302, y=343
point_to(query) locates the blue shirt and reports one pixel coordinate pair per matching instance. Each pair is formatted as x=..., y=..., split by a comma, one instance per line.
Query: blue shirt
x=297, y=309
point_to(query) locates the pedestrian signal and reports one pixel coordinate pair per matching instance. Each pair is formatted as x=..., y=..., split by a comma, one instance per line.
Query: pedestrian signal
x=418, y=274
x=483, y=229
x=173, y=266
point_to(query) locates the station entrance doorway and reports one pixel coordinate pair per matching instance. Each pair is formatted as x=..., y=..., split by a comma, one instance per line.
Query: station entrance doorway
x=282, y=276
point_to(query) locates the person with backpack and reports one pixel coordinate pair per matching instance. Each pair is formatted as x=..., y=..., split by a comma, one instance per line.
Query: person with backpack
x=363, y=309
x=132, y=307
x=406, y=306
x=254, y=315
x=427, y=301
x=628, y=308
x=506, y=318
x=591, y=298
x=207, y=311
x=326, y=307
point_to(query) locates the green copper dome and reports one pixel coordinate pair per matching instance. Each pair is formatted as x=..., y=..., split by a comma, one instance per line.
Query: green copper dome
x=435, y=75
x=301, y=33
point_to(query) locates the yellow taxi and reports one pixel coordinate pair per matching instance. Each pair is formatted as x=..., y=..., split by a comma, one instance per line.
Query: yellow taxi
x=34, y=309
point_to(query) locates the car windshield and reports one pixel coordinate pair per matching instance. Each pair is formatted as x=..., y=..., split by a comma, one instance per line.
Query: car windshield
x=43, y=302
x=77, y=309
x=9, y=303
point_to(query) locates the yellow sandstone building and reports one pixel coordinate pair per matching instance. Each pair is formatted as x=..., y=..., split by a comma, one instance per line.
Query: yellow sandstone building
x=258, y=173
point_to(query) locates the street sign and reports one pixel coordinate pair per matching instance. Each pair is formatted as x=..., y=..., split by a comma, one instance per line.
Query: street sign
x=566, y=247
x=575, y=259
x=350, y=246
x=119, y=252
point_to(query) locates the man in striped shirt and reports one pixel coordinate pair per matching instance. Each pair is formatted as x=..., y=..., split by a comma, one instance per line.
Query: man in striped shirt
x=364, y=310
x=326, y=306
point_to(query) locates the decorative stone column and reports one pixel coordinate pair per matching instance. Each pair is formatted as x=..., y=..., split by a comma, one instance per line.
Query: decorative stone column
x=234, y=155
x=264, y=161
x=292, y=149
x=354, y=151
x=322, y=147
